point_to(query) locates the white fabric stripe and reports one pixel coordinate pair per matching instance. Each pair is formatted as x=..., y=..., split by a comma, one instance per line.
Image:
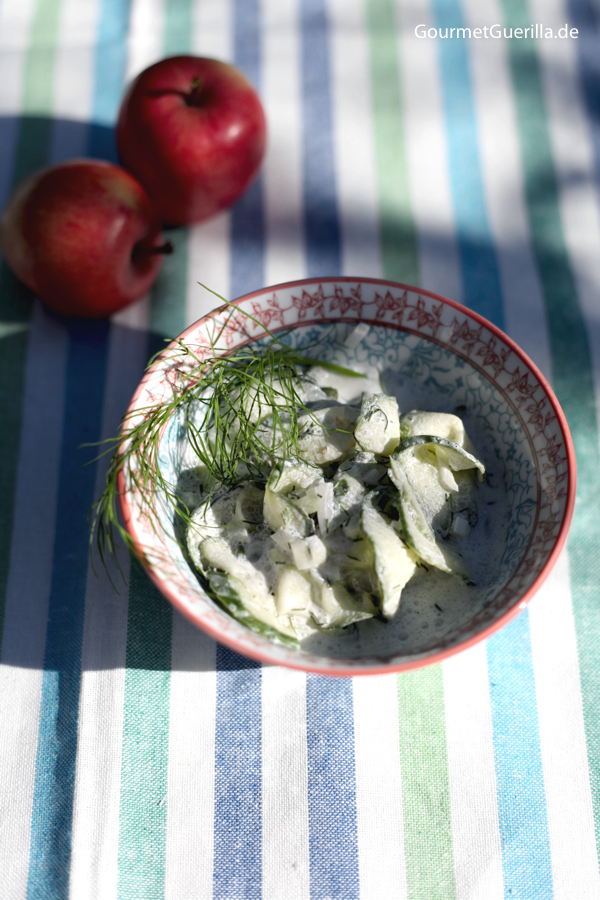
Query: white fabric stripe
x=353, y=139
x=286, y=863
x=575, y=168
x=208, y=243
x=28, y=591
x=15, y=21
x=381, y=857
x=94, y=857
x=97, y=774
x=282, y=172
x=100, y=733
x=473, y=800
x=427, y=154
x=562, y=732
x=504, y=189
x=208, y=263
x=15, y=24
x=135, y=316
x=145, y=39
x=285, y=848
x=212, y=29
x=190, y=795
x=73, y=96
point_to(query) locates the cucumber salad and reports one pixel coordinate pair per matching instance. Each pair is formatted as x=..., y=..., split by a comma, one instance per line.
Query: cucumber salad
x=326, y=540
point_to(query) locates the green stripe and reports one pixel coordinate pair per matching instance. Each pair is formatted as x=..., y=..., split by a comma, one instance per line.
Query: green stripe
x=32, y=151
x=571, y=364
x=425, y=785
x=396, y=222
x=13, y=351
x=168, y=296
x=143, y=811
x=425, y=781
x=38, y=75
x=179, y=27
x=144, y=775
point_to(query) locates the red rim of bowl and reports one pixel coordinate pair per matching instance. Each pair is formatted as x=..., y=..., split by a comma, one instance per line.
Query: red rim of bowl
x=382, y=668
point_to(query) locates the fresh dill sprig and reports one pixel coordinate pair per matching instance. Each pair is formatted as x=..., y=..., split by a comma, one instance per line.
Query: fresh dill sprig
x=224, y=400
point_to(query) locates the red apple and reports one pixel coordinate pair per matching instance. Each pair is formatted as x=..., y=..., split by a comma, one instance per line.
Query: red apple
x=83, y=235
x=193, y=132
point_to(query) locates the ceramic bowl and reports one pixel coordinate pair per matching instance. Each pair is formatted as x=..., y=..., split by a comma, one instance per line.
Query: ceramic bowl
x=444, y=357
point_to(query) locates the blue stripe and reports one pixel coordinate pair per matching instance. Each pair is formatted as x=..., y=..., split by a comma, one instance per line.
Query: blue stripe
x=584, y=17
x=69, y=140
x=109, y=74
x=248, y=242
x=238, y=779
x=247, y=216
x=321, y=214
x=52, y=812
x=526, y=860
x=333, y=836
x=9, y=136
x=57, y=740
x=238, y=734
x=478, y=260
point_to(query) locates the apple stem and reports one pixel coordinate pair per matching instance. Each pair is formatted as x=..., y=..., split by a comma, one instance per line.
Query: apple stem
x=165, y=249
x=193, y=98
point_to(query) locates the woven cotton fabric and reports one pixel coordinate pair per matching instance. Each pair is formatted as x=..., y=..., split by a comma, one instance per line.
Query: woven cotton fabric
x=138, y=759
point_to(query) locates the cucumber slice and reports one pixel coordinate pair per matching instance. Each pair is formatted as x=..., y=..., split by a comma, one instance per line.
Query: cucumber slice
x=293, y=474
x=245, y=581
x=454, y=456
x=209, y=518
x=348, y=492
x=294, y=592
x=394, y=563
x=281, y=510
x=419, y=534
x=335, y=607
x=327, y=435
x=378, y=426
x=443, y=425
x=308, y=553
x=464, y=501
x=225, y=590
x=362, y=466
x=420, y=465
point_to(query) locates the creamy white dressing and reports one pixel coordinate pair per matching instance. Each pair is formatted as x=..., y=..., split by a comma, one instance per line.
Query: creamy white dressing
x=432, y=602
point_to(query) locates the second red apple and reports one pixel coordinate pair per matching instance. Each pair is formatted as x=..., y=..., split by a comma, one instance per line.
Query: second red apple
x=192, y=130
x=83, y=236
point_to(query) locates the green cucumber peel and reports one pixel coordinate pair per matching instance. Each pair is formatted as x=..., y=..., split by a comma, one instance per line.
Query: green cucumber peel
x=229, y=599
x=419, y=534
x=453, y=452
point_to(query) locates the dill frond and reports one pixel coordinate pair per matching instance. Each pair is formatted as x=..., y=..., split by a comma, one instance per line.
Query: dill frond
x=223, y=399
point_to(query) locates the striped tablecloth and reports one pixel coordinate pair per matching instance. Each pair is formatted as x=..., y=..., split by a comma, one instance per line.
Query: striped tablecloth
x=139, y=760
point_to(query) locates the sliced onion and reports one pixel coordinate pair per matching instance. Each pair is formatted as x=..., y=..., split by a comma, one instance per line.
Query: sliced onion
x=327, y=507
x=460, y=527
